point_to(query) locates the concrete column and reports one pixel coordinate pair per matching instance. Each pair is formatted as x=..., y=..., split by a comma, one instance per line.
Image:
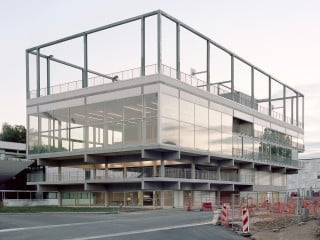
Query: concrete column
x=218, y=198
x=193, y=170
x=124, y=172
x=162, y=168
x=106, y=199
x=162, y=199
x=106, y=170
x=94, y=172
x=59, y=199
x=219, y=173
x=154, y=174
x=59, y=173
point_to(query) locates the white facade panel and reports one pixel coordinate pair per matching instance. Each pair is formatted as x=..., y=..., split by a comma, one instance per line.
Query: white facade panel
x=114, y=95
x=62, y=104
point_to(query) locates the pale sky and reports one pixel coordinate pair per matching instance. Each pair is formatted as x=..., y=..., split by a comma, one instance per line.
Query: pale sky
x=280, y=37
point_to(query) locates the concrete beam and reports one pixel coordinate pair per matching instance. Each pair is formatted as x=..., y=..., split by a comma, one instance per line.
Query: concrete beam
x=292, y=171
x=243, y=187
x=263, y=167
x=158, y=155
x=278, y=169
x=90, y=158
x=221, y=187
x=161, y=185
x=246, y=165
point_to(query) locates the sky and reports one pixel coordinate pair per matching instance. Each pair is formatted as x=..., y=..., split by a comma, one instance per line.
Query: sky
x=280, y=37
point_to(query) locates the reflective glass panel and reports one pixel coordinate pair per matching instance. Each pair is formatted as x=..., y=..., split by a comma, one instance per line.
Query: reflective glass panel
x=186, y=135
x=227, y=143
x=169, y=107
x=95, y=113
x=215, y=120
x=114, y=111
x=150, y=126
x=201, y=116
x=115, y=133
x=215, y=141
x=150, y=105
x=76, y=138
x=201, y=138
x=186, y=111
x=132, y=108
x=132, y=132
x=33, y=123
x=170, y=131
x=61, y=118
x=226, y=123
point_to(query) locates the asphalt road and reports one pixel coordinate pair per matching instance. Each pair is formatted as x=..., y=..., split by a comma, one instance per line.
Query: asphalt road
x=151, y=225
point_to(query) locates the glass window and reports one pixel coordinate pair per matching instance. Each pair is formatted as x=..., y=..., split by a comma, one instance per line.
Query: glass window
x=226, y=123
x=257, y=150
x=150, y=105
x=247, y=147
x=169, y=107
x=76, y=138
x=150, y=126
x=201, y=138
x=114, y=111
x=132, y=107
x=61, y=118
x=115, y=133
x=237, y=145
x=61, y=139
x=33, y=143
x=33, y=123
x=170, y=131
x=78, y=116
x=186, y=135
x=215, y=120
x=215, y=141
x=186, y=111
x=95, y=114
x=46, y=119
x=96, y=136
x=132, y=132
x=258, y=130
x=226, y=143
x=201, y=116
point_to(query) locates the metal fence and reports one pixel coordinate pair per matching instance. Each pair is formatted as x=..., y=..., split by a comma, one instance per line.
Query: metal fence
x=272, y=210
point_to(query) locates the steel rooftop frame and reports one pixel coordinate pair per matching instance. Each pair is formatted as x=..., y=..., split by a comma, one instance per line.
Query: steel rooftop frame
x=36, y=50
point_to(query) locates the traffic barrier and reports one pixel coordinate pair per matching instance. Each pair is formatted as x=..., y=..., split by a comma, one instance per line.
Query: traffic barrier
x=245, y=220
x=224, y=216
x=216, y=217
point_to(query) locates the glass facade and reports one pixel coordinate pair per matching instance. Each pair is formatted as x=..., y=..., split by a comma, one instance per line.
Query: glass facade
x=190, y=125
x=186, y=121
x=126, y=121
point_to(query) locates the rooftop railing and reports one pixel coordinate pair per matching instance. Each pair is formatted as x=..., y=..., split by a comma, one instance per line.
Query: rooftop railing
x=167, y=71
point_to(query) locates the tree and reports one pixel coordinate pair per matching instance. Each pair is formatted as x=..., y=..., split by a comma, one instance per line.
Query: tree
x=15, y=133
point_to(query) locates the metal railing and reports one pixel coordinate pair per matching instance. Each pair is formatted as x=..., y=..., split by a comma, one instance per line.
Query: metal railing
x=170, y=72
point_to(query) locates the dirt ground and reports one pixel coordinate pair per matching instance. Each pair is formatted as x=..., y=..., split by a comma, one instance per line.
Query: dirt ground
x=304, y=231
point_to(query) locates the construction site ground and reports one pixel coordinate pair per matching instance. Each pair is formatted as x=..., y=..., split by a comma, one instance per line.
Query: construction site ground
x=308, y=230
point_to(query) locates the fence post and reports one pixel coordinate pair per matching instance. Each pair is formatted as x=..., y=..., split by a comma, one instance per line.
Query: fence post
x=232, y=210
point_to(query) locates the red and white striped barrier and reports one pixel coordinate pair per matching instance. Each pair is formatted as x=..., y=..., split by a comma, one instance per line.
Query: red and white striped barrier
x=245, y=220
x=224, y=215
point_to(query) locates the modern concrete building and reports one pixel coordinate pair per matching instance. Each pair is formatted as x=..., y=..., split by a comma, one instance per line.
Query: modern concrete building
x=12, y=162
x=155, y=135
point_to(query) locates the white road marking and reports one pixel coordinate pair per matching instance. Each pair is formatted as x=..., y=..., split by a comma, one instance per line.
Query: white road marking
x=48, y=226
x=139, y=231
